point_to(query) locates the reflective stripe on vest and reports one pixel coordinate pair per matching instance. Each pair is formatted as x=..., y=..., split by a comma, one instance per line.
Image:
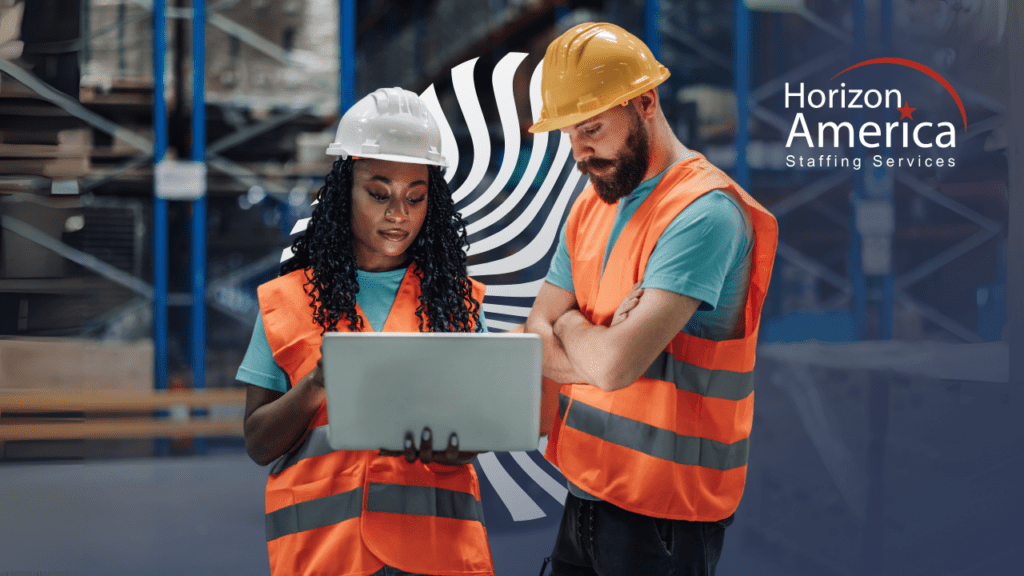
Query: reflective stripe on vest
x=674, y=444
x=393, y=498
x=316, y=444
x=654, y=441
x=316, y=513
x=423, y=501
x=711, y=383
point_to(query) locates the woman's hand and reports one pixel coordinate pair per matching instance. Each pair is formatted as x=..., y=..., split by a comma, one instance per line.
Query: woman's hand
x=275, y=422
x=316, y=375
x=628, y=303
x=451, y=456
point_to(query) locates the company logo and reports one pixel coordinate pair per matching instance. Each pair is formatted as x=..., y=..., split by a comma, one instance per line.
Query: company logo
x=905, y=132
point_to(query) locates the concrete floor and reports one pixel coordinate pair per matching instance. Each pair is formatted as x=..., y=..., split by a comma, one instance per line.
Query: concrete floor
x=830, y=492
x=198, y=515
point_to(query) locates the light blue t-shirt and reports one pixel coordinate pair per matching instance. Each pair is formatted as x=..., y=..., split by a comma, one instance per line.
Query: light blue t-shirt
x=704, y=253
x=377, y=292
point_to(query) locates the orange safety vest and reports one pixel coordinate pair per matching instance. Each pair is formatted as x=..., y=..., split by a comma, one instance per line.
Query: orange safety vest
x=674, y=443
x=352, y=512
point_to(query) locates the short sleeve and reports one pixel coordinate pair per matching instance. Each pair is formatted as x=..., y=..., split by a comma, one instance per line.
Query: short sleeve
x=697, y=250
x=560, y=273
x=258, y=366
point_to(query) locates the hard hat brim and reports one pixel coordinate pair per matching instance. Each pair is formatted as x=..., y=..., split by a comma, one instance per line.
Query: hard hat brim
x=559, y=122
x=332, y=151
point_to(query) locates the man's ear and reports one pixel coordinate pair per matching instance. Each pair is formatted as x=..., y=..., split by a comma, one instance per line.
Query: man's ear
x=646, y=104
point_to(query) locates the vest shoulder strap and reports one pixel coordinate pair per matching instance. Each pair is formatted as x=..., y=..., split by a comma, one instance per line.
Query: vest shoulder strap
x=293, y=335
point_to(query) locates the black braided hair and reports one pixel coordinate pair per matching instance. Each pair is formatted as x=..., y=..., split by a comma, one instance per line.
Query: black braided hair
x=326, y=255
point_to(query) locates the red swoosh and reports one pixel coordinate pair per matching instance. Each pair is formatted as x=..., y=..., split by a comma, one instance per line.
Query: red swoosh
x=920, y=68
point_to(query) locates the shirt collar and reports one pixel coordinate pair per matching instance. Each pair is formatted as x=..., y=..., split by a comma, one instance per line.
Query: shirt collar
x=644, y=188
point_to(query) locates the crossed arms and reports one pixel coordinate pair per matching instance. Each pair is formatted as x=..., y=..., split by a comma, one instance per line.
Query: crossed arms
x=609, y=357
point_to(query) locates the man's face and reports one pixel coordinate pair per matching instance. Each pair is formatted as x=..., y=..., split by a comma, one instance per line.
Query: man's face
x=612, y=148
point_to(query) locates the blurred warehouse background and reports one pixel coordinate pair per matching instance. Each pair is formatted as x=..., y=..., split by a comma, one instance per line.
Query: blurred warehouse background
x=887, y=433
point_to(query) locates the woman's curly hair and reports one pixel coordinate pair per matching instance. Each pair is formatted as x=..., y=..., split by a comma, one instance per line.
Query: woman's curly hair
x=325, y=253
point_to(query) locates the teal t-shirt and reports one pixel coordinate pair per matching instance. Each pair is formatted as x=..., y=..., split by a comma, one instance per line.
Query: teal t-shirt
x=377, y=291
x=704, y=253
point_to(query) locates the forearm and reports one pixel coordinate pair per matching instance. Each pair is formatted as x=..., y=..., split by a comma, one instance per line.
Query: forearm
x=555, y=363
x=590, y=352
x=275, y=427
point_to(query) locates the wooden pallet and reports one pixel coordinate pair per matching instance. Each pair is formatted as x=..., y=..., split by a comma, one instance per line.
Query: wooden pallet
x=60, y=155
x=37, y=414
x=120, y=92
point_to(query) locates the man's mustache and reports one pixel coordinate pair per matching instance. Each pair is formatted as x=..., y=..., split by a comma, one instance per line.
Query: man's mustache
x=586, y=166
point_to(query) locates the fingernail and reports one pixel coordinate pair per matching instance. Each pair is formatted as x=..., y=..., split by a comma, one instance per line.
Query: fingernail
x=455, y=440
x=408, y=443
x=426, y=434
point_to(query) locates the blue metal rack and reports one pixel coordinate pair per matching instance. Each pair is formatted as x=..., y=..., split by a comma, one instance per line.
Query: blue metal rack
x=867, y=295
x=160, y=246
x=347, y=54
x=201, y=152
x=742, y=72
x=199, y=205
x=861, y=294
x=652, y=26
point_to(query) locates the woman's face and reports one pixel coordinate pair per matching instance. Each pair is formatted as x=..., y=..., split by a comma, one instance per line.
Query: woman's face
x=389, y=204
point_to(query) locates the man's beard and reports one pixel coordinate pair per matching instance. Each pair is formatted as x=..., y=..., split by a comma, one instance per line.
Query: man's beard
x=628, y=169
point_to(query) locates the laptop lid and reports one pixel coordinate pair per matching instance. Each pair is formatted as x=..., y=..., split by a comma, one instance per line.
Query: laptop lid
x=484, y=387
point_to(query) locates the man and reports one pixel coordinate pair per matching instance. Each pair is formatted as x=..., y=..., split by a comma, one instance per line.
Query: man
x=649, y=317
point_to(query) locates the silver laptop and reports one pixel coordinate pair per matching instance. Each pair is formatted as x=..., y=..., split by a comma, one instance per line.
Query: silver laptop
x=484, y=387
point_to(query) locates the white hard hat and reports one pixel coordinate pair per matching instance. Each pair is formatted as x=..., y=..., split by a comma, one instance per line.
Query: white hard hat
x=389, y=124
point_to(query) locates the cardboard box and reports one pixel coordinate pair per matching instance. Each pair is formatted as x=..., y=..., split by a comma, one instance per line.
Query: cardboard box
x=75, y=364
x=23, y=258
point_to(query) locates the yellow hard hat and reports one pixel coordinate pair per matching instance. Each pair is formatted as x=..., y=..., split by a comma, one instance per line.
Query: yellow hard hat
x=591, y=68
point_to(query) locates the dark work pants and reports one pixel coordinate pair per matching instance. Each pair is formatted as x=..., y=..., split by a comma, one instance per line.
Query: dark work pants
x=389, y=571
x=598, y=538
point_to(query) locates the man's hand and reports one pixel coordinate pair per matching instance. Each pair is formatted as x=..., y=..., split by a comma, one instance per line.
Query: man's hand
x=628, y=303
x=551, y=303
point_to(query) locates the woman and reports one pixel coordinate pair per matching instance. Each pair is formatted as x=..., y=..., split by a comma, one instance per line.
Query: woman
x=383, y=252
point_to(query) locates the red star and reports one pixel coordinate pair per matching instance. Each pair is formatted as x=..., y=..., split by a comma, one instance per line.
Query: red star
x=906, y=111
